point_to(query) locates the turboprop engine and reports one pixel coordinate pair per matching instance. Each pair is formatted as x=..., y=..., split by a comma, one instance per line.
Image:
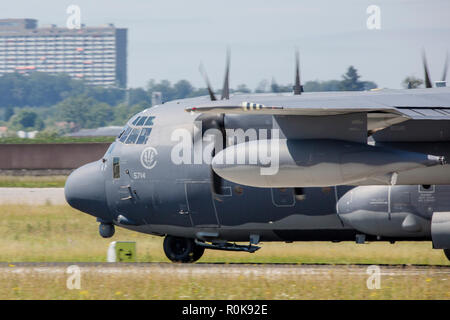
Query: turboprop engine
x=315, y=163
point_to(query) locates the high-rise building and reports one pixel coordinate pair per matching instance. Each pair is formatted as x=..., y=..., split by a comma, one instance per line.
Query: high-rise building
x=98, y=55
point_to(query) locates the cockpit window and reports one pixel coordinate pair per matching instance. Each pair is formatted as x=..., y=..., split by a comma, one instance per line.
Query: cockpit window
x=121, y=133
x=124, y=135
x=141, y=121
x=143, y=137
x=138, y=131
x=149, y=121
x=133, y=136
x=136, y=120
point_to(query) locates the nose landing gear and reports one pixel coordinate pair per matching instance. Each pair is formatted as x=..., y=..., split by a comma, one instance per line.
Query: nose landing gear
x=183, y=250
x=106, y=230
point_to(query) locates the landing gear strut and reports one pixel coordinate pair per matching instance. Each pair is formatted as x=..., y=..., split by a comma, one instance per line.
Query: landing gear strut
x=184, y=250
x=447, y=253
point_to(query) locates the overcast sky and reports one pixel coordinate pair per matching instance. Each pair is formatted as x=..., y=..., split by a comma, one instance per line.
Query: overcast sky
x=168, y=39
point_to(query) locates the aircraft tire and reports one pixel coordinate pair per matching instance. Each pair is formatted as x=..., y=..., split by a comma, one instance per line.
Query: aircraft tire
x=183, y=250
x=198, y=252
x=447, y=253
x=106, y=230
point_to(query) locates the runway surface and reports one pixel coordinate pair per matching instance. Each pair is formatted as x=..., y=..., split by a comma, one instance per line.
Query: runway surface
x=33, y=196
x=266, y=270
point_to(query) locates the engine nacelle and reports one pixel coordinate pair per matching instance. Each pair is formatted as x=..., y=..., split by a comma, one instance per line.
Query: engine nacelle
x=369, y=209
x=440, y=230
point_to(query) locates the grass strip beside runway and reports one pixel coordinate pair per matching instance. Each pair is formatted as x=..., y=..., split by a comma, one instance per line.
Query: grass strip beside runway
x=52, y=233
x=32, y=181
x=221, y=282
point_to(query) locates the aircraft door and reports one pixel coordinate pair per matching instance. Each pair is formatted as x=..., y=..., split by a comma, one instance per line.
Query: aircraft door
x=200, y=204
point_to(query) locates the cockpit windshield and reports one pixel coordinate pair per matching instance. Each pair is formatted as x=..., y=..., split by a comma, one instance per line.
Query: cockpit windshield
x=143, y=136
x=138, y=132
x=132, y=136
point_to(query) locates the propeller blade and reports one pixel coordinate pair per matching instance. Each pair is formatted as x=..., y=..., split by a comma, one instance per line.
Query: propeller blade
x=214, y=121
x=226, y=82
x=425, y=68
x=208, y=84
x=444, y=74
x=216, y=182
x=297, y=86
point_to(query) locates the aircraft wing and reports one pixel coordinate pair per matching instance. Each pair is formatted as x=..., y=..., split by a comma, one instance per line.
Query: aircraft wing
x=415, y=104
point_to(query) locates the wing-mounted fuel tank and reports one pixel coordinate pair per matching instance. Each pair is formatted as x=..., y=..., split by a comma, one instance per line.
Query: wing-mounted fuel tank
x=315, y=163
x=385, y=212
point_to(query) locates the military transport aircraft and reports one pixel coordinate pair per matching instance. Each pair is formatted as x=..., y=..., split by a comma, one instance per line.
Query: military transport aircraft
x=336, y=166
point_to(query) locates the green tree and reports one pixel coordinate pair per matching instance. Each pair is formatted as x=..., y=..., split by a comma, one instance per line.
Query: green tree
x=262, y=86
x=182, y=89
x=8, y=113
x=26, y=120
x=412, y=82
x=99, y=114
x=39, y=89
x=138, y=95
x=75, y=109
x=123, y=112
x=165, y=87
x=242, y=88
x=351, y=81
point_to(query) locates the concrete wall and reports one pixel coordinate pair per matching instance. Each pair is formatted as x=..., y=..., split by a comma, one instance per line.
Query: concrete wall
x=50, y=156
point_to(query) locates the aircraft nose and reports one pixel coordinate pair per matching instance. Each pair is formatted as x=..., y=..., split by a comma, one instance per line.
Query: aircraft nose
x=85, y=190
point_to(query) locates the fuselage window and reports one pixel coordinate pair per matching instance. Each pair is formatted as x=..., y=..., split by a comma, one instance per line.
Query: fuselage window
x=124, y=136
x=143, y=137
x=141, y=121
x=149, y=121
x=116, y=168
x=133, y=136
x=136, y=120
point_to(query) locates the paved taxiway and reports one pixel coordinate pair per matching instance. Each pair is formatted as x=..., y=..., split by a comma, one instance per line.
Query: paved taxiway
x=266, y=270
x=33, y=196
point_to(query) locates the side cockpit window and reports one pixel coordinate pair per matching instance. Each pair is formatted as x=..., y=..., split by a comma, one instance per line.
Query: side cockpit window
x=123, y=136
x=138, y=132
x=116, y=168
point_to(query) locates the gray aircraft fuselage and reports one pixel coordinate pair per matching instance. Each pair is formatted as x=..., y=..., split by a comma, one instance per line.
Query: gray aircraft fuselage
x=139, y=187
